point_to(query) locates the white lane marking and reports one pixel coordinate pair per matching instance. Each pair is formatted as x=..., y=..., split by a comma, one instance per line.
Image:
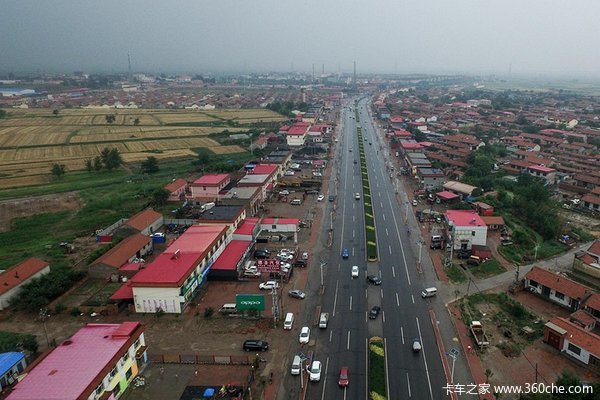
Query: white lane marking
x=424, y=358
x=383, y=316
x=393, y=271
x=335, y=297
x=386, y=232
x=353, y=252
x=348, y=343
x=402, y=334
x=413, y=298
x=408, y=385
x=399, y=241
x=330, y=335
x=383, y=215
x=382, y=293
x=381, y=204
x=353, y=233
x=397, y=300
x=350, y=303
x=354, y=218
x=390, y=248
x=325, y=379
x=366, y=293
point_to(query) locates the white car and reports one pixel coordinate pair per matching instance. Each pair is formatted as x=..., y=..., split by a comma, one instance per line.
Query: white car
x=414, y=202
x=289, y=173
x=304, y=335
x=317, y=174
x=357, y=196
x=355, y=271
x=320, y=197
x=268, y=285
x=315, y=371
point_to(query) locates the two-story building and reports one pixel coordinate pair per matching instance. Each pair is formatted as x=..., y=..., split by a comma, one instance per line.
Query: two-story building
x=177, y=189
x=296, y=135
x=173, y=279
x=209, y=186
x=465, y=229
x=431, y=178
x=263, y=176
x=98, y=362
x=547, y=174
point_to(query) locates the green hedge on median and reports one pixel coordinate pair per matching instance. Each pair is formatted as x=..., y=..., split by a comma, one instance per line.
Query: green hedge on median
x=377, y=387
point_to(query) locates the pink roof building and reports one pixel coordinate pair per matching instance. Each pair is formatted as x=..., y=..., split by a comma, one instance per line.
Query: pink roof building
x=465, y=229
x=98, y=358
x=209, y=186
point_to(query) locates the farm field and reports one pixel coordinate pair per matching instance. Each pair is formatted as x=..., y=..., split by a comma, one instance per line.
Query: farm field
x=33, y=140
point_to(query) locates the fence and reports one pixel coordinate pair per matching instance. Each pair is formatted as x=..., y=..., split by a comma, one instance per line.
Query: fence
x=201, y=359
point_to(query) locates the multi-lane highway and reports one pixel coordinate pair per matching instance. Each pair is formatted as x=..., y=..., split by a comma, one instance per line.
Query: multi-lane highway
x=405, y=315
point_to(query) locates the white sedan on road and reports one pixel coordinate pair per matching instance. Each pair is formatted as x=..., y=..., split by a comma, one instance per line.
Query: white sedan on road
x=315, y=371
x=268, y=285
x=355, y=271
x=304, y=335
x=320, y=197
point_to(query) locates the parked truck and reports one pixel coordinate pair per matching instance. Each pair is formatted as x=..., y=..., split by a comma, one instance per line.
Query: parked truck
x=479, y=334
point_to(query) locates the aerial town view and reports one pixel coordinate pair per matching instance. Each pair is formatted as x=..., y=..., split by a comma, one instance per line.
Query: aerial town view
x=299, y=201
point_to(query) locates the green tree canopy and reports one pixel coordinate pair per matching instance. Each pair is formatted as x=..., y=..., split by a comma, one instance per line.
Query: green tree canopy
x=160, y=197
x=150, y=165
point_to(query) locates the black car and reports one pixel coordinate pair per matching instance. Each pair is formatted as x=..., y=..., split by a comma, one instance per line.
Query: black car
x=374, y=312
x=331, y=197
x=262, y=253
x=256, y=345
x=463, y=254
x=374, y=279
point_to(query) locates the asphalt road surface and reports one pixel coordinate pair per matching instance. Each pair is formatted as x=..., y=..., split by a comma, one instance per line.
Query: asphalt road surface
x=405, y=315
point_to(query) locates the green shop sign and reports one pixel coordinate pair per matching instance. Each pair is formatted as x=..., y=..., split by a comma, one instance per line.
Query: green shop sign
x=250, y=302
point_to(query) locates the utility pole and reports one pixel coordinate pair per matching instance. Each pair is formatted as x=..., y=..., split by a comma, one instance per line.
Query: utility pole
x=274, y=308
x=43, y=317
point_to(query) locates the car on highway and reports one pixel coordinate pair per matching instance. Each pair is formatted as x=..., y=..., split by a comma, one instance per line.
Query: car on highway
x=416, y=345
x=297, y=294
x=374, y=312
x=343, y=379
x=414, y=202
x=357, y=196
x=345, y=253
x=355, y=271
x=304, y=335
x=320, y=197
x=315, y=371
x=374, y=279
x=331, y=198
x=350, y=150
x=268, y=285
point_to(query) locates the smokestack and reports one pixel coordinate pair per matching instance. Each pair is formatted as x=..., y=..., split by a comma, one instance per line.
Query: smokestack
x=313, y=72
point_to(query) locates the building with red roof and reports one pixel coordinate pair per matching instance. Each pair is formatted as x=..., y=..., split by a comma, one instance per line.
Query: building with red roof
x=209, y=186
x=145, y=222
x=18, y=275
x=177, y=189
x=547, y=174
x=465, y=229
x=247, y=230
x=557, y=288
x=229, y=263
x=126, y=251
x=263, y=176
x=171, y=281
x=588, y=262
x=296, y=135
x=98, y=362
x=573, y=340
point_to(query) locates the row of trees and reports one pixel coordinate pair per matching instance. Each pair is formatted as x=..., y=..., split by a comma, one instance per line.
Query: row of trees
x=109, y=159
x=286, y=107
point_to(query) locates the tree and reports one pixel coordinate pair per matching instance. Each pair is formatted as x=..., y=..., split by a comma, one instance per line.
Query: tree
x=150, y=165
x=160, y=197
x=89, y=165
x=97, y=163
x=136, y=121
x=58, y=170
x=111, y=158
x=55, y=112
x=110, y=118
x=3, y=114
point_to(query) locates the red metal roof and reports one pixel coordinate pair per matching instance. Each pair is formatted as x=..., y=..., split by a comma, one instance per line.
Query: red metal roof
x=264, y=169
x=123, y=293
x=247, y=227
x=211, y=180
x=464, y=218
x=176, y=185
x=123, y=251
x=402, y=133
x=18, y=274
x=579, y=336
x=446, y=195
x=280, y=221
x=167, y=270
x=231, y=255
x=541, y=168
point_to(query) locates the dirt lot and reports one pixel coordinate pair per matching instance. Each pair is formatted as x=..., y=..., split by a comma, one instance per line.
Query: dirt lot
x=10, y=209
x=521, y=369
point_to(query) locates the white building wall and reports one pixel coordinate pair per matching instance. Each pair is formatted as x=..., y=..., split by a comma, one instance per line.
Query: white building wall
x=566, y=301
x=465, y=233
x=295, y=140
x=150, y=299
x=583, y=356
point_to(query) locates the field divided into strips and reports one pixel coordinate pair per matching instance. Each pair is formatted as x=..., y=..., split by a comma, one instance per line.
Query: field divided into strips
x=31, y=141
x=247, y=116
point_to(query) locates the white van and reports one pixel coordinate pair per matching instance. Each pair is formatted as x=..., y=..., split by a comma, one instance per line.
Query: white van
x=323, y=320
x=289, y=321
x=296, y=202
x=429, y=292
x=296, y=365
x=230, y=308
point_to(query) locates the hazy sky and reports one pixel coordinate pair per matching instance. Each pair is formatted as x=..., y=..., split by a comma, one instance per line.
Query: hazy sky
x=403, y=36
